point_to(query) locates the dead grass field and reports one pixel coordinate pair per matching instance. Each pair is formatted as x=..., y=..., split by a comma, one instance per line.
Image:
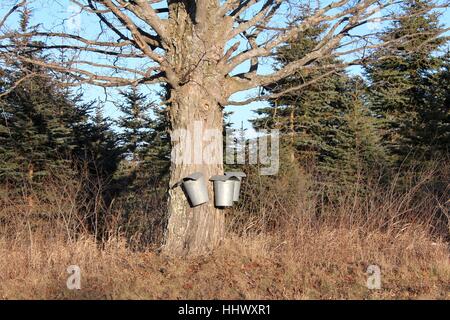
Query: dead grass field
x=305, y=256
x=330, y=263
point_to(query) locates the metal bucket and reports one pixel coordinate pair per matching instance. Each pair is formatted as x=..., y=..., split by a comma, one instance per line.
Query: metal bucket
x=195, y=189
x=237, y=183
x=224, y=190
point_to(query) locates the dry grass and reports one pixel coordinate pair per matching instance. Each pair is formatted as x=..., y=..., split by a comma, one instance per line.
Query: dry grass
x=305, y=255
x=325, y=264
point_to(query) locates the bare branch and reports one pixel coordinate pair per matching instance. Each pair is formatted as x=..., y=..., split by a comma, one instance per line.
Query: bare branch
x=344, y=21
x=193, y=44
x=143, y=10
x=84, y=76
x=236, y=7
x=137, y=36
x=18, y=82
x=269, y=8
x=283, y=92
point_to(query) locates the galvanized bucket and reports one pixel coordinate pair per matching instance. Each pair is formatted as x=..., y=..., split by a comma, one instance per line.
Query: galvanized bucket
x=223, y=190
x=237, y=183
x=195, y=189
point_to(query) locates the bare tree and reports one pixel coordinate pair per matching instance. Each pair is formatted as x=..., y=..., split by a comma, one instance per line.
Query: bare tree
x=195, y=47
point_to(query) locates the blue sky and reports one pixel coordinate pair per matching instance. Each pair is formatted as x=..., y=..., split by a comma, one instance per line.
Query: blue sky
x=50, y=13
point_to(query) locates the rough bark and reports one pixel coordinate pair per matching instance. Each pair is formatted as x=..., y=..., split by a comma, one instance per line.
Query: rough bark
x=196, y=49
x=194, y=230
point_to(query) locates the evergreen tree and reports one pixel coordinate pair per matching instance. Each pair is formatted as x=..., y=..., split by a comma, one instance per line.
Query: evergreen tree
x=432, y=133
x=102, y=145
x=136, y=123
x=141, y=181
x=157, y=155
x=144, y=139
x=401, y=83
x=38, y=119
x=355, y=151
x=327, y=121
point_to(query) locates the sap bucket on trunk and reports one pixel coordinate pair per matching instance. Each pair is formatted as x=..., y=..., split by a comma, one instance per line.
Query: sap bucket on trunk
x=195, y=189
x=224, y=190
x=237, y=183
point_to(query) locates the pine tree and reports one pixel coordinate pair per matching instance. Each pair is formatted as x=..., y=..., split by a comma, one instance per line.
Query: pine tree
x=327, y=121
x=355, y=150
x=401, y=83
x=38, y=119
x=135, y=122
x=157, y=154
x=432, y=133
x=144, y=139
x=102, y=145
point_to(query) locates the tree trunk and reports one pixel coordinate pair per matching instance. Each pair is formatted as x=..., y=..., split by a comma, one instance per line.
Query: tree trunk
x=196, y=95
x=195, y=230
